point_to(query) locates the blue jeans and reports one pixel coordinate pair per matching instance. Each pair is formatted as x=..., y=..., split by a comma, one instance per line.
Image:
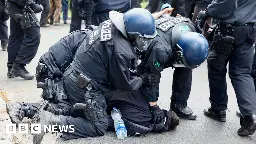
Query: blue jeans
x=65, y=10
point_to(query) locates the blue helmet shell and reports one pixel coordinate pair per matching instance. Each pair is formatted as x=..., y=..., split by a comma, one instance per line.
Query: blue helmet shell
x=139, y=21
x=194, y=47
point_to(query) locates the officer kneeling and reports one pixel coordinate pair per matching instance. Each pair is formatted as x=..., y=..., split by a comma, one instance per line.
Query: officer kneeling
x=80, y=70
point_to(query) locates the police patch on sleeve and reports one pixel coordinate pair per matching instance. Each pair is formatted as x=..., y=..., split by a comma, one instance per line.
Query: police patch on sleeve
x=165, y=23
x=157, y=65
x=106, y=31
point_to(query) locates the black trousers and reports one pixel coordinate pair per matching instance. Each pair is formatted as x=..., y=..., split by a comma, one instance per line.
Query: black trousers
x=190, y=5
x=23, y=43
x=133, y=107
x=45, y=12
x=181, y=85
x=83, y=127
x=254, y=68
x=99, y=17
x=76, y=20
x=3, y=33
x=240, y=68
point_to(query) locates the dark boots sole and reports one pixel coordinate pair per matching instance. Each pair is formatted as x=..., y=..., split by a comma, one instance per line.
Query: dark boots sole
x=247, y=132
x=18, y=75
x=217, y=118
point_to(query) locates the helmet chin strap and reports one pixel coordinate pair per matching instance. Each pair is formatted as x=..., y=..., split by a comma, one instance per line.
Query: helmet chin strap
x=118, y=21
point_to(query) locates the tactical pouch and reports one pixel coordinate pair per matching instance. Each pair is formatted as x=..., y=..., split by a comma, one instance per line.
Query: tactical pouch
x=94, y=106
x=28, y=19
x=82, y=81
x=222, y=41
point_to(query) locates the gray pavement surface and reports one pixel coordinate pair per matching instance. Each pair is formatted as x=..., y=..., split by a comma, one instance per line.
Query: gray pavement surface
x=201, y=131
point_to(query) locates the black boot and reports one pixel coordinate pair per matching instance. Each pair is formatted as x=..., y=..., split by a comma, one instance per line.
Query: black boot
x=183, y=111
x=9, y=74
x=20, y=70
x=17, y=111
x=215, y=114
x=47, y=118
x=248, y=125
x=4, y=47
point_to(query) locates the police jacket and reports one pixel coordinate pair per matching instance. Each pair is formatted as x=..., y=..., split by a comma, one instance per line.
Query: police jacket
x=237, y=12
x=2, y=5
x=108, y=5
x=159, y=53
x=178, y=5
x=104, y=55
x=203, y=3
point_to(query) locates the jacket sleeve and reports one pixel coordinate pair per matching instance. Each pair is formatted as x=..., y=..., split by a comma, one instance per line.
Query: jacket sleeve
x=120, y=75
x=135, y=4
x=221, y=9
x=180, y=6
x=154, y=64
x=61, y=54
x=19, y=2
x=152, y=6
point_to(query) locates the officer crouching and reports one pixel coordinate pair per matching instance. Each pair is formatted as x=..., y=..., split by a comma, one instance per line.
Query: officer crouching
x=232, y=42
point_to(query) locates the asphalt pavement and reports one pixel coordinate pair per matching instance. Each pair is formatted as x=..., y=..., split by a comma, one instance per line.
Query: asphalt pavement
x=201, y=131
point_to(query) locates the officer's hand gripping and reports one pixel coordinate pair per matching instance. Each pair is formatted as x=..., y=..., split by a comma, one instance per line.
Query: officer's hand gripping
x=35, y=7
x=158, y=114
x=200, y=20
x=4, y=16
x=150, y=79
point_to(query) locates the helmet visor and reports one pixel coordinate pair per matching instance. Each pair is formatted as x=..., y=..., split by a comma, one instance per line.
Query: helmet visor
x=142, y=43
x=178, y=59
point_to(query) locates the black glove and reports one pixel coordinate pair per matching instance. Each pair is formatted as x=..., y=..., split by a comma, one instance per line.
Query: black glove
x=170, y=123
x=35, y=7
x=158, y=114
x=200, y=20
x=150, y=79
x=4, y=15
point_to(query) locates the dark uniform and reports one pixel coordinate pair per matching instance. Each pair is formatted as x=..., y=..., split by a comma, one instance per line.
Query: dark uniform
x=159, y=57
x=178, y=5
x=254, y=67
x=45, y=12
x=202, y=5
x=3, y=25
x=24, y=36
x=233, y=43
x=81, y=10
x=103, y=7
x=92, y=64
x=190, y=5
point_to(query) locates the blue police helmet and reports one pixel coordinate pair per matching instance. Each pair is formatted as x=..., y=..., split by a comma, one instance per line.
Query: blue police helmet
x=139, y=22
x=166, y=5
x=192, y=50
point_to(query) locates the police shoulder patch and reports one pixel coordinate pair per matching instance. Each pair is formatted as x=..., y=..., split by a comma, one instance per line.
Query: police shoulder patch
x=105, y=32
x=165, y=23
x=157, y=65
x=93, y=36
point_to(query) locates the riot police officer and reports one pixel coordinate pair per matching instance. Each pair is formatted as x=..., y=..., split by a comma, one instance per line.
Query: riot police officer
x=233, y=41
x=171, y=46
x=4, y=16
x=93, y=63
x=24, y=36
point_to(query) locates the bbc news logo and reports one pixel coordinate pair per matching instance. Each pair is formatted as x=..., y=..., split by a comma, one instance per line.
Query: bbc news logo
x=38, y=128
